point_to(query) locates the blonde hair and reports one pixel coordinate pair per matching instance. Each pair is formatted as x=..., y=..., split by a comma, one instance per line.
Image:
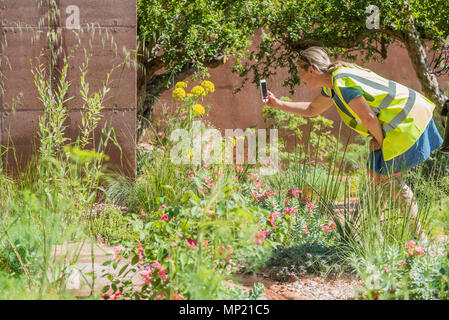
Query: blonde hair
x=318, y=58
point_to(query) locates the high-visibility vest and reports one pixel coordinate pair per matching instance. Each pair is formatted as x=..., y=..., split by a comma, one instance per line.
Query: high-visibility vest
x=403, y=113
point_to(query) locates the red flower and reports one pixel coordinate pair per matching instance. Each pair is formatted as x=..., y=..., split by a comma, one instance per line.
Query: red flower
x=191, y=243
x=294, y=192
x=146, y=274
x=290, y=210
x=157, y=265
x=310, y=206
x=114, y=296
x=164, y=217
x=269, y=193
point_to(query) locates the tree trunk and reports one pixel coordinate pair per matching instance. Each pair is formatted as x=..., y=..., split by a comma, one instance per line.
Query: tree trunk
x=418, y=55
x=151, y=88
x=429, y=83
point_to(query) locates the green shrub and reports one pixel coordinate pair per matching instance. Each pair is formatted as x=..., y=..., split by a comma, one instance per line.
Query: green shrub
x=112, y=225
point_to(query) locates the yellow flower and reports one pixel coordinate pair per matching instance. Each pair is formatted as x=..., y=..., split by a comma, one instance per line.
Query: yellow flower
x=181, y=84
x=191, y=153
x=179, y=94
x=208, y=86
x=189, y=95
x=198, y=109
x=198, y=91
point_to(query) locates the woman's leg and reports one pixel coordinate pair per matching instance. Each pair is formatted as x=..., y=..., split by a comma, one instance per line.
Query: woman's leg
x=401, y=192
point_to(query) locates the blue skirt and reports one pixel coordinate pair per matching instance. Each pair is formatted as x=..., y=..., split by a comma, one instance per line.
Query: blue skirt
x=419, y=152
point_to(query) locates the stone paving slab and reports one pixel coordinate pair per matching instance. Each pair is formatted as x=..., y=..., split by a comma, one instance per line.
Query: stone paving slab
x=80, y=279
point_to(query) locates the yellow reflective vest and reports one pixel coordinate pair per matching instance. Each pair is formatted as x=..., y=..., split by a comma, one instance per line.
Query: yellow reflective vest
x=402, y=112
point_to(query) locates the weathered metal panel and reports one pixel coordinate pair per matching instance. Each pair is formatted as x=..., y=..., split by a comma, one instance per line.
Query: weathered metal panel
x=23, y=30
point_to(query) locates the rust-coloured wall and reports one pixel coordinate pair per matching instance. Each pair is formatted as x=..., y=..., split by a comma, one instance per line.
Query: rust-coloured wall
x=118, y=19
x=244, y=109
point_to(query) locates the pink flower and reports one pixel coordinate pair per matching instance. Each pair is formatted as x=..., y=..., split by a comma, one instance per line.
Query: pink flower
x=260, y=237
x=253, y=176
x=157, y=265
x=306, y=229
x=294, y=192
x=146, y=274
x=290, y=210
x=208, y=182
x=402, y=263
x=310, y=206
x=161, y=273
x=239, y=169
x=191, y=243
x=410, y=244
x=387, y=269
x=273, y=217
x=419, y=250
x=308, y=255
x=164, y=217
x=140, y=252
x=161, y=134
x=255, y=195
x=115, y=296
x=116, y=254
x=177, y=297
x=258, y=185
x=269, y=193
x=162, y=207
x=183, y=118
x=329, y=227
x=287, y=202
x=191, y=175
x=159, y=297
x=174, y=244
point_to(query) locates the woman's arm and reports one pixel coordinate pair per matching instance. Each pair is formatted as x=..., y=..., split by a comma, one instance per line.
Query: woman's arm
x=368, y=118
x=305, y=109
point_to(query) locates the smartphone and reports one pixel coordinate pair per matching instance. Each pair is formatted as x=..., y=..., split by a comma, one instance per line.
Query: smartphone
x=263, y=88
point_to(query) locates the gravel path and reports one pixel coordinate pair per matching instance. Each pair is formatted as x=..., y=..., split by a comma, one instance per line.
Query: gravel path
x=307, y=288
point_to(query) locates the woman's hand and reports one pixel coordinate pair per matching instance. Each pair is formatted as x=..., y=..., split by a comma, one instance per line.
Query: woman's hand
x=273, y=101
x=374, y=145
